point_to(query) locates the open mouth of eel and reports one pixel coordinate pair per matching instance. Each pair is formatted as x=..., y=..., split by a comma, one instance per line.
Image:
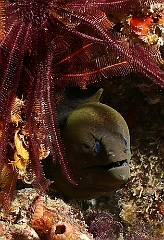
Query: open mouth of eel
x=112, y=165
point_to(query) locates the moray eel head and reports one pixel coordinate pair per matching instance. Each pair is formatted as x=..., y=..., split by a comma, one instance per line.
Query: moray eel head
x=97, y=145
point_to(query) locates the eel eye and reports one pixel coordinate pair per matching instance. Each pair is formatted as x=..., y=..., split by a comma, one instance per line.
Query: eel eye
x=126, y=142
x=97, y=147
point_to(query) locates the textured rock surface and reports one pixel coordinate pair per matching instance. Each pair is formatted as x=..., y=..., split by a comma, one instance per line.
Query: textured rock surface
x=35, y=218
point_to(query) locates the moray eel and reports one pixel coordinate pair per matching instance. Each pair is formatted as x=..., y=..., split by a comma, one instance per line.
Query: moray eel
x=97, y=146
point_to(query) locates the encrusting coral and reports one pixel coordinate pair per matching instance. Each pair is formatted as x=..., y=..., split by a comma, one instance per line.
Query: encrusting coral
x=140, y=200
x=32, y=217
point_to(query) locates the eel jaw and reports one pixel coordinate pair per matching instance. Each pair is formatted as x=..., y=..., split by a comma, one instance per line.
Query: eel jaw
x=112, y=165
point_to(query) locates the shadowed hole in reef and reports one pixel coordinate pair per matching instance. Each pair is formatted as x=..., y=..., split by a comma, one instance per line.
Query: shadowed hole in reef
x=60, y=229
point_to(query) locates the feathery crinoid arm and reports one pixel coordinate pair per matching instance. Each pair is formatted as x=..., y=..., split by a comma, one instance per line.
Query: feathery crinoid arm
x=94, y=26
x=42, y=127
x=91, y=61
x=90, y=64
x=50, y=127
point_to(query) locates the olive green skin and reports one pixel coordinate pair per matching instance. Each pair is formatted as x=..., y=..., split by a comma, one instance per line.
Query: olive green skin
x=90, y=122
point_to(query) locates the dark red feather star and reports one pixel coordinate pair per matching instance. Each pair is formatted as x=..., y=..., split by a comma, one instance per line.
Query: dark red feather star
x=46, y=45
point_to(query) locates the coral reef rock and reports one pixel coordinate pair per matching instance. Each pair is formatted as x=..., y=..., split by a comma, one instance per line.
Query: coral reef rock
x=39, y=217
